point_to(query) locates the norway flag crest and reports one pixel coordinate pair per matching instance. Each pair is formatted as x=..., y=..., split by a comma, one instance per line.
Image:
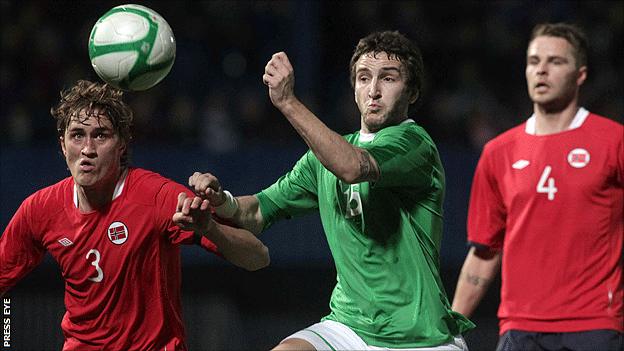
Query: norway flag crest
x=117, y=233
x=578, y=158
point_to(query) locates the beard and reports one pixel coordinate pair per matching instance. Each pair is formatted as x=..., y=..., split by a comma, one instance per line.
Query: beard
x=397, y=114
x=559, y=102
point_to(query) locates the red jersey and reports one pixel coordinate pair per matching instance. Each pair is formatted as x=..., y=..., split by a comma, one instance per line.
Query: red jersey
x=121, y=265
x=554, y=205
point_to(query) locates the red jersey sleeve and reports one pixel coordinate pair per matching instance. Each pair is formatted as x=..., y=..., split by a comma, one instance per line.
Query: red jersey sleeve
x=20, y=252
x=620, y=161
x=166, y=203
x=486, y=211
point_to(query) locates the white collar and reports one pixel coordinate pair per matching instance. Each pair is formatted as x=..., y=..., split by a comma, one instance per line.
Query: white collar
x=578, y=120
x=368, y=137
x=118, y=188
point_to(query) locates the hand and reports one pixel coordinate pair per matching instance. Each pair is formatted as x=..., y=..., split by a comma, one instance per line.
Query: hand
x=207, y=186
x=193, y=214
x=279, y=76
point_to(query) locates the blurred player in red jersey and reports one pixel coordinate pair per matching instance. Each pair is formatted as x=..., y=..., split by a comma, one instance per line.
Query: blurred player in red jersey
x=547, y=200
x=115, y=232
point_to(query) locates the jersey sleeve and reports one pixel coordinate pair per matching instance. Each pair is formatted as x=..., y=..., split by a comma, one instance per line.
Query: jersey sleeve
x=20, y=251
x=486, y=211
x=293, y=194
x=166, y=203
x=405, y=158
x=620, y=159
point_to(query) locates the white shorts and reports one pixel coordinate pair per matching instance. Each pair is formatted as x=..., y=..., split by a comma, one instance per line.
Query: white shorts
x=330, y=335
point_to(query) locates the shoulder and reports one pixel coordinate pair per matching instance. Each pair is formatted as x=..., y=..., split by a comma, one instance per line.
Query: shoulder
x=50, y=200
x=407, y=134
x=505, y=139
x=407, y=128
x=144, y=185
x=143, y=179
x=308, y=159
x=53, y=195
x=603, y=126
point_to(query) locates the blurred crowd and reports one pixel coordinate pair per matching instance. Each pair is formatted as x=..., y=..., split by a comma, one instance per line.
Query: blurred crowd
x=474, y=54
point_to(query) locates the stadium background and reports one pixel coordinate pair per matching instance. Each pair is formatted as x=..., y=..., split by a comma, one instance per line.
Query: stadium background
x=212, y=113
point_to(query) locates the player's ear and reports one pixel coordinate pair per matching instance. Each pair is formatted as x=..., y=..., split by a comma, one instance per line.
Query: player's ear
x=414, y=96
x=582, y=75
x=123, y=146
x=62, y=142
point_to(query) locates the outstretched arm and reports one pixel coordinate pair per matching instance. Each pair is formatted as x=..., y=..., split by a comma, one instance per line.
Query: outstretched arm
x=244, y=211
x=239, y=246
x=480, y=268
x=347, y=162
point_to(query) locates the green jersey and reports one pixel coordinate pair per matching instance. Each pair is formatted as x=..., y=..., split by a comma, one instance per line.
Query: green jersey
x=384, y=237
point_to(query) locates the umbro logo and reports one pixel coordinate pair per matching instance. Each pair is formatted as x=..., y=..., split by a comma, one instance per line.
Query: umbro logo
x=65, y=242
x=520, y=164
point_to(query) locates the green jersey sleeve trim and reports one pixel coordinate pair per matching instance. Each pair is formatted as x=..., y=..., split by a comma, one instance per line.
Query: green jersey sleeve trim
x=269, y=210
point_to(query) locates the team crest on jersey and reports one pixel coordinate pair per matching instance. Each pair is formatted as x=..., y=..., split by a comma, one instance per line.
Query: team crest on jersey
x=117, y=233
x=578, y=158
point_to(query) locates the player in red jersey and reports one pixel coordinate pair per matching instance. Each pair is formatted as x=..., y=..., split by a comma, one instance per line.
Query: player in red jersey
x=115, y=232
x=547, y=200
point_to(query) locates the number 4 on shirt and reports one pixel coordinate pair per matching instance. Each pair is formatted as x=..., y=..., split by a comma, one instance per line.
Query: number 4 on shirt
x=549, y=189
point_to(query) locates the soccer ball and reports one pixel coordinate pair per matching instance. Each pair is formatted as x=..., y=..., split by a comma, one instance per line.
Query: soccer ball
x=132, y=47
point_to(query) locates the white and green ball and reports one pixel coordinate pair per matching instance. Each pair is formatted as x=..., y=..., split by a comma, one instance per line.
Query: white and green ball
x=132, y=47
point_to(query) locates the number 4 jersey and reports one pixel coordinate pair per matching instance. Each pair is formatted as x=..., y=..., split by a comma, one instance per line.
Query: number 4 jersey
x=121, y=265
x=554, y=205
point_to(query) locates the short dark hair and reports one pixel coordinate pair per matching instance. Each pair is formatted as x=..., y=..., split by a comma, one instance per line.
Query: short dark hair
x=398, y=46
x=570, y=32
x=88, y=96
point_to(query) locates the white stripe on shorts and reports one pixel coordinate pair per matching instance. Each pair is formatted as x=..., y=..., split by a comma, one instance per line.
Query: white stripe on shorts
x=333, y=336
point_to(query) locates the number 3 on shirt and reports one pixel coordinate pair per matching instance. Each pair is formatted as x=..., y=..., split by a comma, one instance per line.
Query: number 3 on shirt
x=549, y=189
x=96, y=264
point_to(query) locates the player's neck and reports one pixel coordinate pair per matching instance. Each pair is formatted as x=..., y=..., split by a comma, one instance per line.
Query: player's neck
x=98, y=197
x=550, y=122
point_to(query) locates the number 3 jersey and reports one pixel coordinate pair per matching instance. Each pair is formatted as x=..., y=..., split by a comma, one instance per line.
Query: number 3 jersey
x=554, y=205
x=121, y=265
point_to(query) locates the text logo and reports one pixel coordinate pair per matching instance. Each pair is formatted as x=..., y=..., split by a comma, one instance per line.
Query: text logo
x=6, y=322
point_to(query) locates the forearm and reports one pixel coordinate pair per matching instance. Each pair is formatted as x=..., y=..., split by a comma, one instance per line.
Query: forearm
x=248, y=214
x=349, y=163
x=239, y=246
x=476, y=276
x=469, y=293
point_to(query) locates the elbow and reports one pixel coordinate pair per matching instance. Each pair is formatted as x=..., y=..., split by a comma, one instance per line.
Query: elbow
x=349, y=175
x=357, y=171
x=348, y=178
x=261, y=260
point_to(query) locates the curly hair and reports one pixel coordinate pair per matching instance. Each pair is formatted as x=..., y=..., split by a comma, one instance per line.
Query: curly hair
x=396, y=45
x=88, y=96
x=570, y=32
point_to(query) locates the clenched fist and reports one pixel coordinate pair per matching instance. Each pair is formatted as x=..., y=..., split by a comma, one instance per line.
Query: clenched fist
x=279, y=76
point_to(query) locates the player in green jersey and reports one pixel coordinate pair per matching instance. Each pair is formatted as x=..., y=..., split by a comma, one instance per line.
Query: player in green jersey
x=379, y=192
